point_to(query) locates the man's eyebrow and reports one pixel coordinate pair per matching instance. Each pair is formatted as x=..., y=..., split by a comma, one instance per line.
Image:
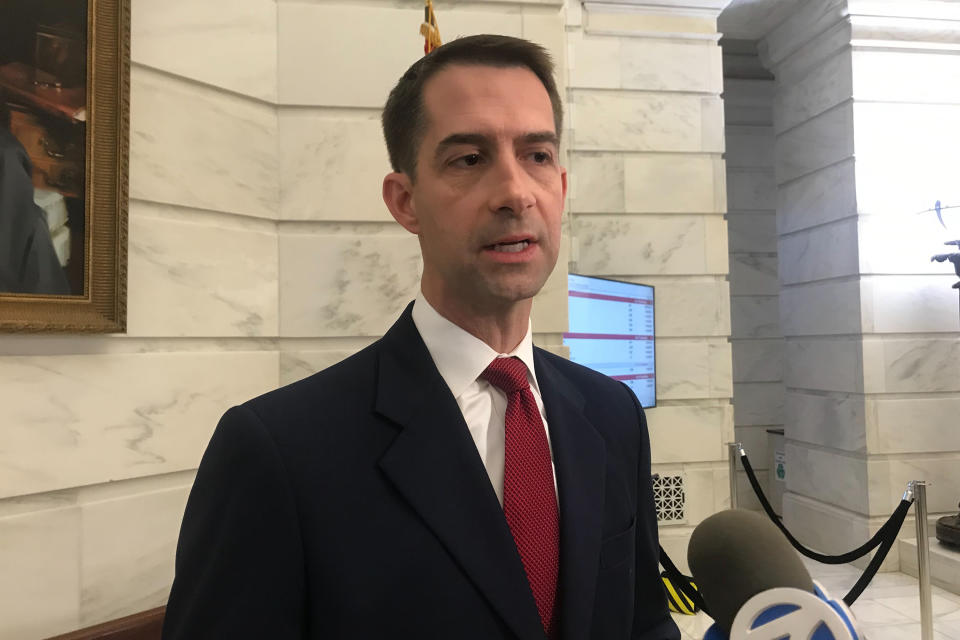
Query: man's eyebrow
x=477, y=139
x=540, y=136
x=481, y=140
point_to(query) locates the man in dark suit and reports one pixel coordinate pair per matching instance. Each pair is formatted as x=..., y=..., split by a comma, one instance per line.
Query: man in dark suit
x=450, y=481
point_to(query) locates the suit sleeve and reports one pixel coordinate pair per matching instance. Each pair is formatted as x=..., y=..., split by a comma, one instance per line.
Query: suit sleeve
x=239, y=563
x=651, y=618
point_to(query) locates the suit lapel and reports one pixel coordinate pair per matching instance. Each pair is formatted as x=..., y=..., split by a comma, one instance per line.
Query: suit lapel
x=580, y=459
x=434, y=464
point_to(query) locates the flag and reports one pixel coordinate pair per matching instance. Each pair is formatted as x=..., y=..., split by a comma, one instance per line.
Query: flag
x=429, y=29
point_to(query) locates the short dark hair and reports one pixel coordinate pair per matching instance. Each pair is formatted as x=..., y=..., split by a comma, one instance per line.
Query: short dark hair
x=404, y=116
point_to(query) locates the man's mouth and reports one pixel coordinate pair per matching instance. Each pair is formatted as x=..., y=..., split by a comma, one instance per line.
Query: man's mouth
x=511, y=247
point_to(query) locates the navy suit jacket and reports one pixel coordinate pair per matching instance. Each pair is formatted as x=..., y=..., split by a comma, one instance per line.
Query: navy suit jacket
x=353, y=504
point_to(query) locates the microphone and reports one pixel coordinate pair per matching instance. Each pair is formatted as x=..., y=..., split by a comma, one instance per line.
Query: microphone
x=756, y=587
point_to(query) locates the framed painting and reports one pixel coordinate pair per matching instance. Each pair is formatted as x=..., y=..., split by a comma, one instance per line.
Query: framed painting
x=64, y=120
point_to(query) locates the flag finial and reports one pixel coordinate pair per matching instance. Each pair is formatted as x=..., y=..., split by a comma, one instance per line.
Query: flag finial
x=429, y=29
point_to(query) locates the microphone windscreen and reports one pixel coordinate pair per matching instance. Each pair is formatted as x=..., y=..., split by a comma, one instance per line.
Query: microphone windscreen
x=736, y=554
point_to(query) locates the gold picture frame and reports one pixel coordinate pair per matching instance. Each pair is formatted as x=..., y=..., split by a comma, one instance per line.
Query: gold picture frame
x=95, y=298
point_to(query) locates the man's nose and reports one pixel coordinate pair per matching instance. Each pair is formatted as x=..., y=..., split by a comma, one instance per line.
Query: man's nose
x=512, y=188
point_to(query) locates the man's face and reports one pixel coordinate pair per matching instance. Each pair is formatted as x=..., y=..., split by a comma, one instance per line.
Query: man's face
x=489, y=191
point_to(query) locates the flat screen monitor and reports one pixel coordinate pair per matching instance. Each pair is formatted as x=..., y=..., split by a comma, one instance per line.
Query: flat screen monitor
x=612, y=331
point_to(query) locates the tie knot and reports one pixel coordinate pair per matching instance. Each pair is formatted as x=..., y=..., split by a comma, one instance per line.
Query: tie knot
x=507, y=374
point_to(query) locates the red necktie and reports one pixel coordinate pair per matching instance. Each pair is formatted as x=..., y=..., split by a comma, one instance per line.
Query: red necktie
x=529, y=499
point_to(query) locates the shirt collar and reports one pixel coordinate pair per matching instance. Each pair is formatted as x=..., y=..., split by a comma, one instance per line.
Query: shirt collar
x=459, y=356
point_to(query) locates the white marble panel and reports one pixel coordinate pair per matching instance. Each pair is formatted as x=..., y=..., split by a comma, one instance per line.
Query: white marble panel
x=826, y=195
x=746, y=497
x=373, y=48
x=753, y=275
x=839, y=479
x=39, y=583
x=743, y=92
x=909, y=304
x=594, y=61
x=662, y=65
x=815, y=144
x=746, y=101
x=646, y=122
x=826, y=86
x=84, y=419
x=912, y=365
x=758, y=403
x=573, y=14
x=756, y=441
x=821, y=253
x=821, y=308
x=906, y=160
x=751, y=189
x=824, y=527
x=649, y=244
x=550, y=305
x=332, y=168
x=199, y=278
x=689, y=433
x=345, y=285
x=755, y=316
x=913, y=425
x=596, y=182
x=702, y=493
x=754, y=232
x=693, y=369
x=825, y=364
x=749, y=146
x=545, y=26
x=299, y=364
x=832, y=420
x=666, y=183
x=226, y=43
x=889, y=477
x=758, y=360
x=811, y=54
x=691, y=308
x=812, y=17
x=891, y=76
x=634, y=21
x=127, y=553
x=199, y=147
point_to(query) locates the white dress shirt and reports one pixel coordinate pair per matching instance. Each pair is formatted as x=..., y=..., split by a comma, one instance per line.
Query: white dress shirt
x=461, y=358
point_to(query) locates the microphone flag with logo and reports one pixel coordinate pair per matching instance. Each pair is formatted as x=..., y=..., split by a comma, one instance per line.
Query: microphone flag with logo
x=756, y=587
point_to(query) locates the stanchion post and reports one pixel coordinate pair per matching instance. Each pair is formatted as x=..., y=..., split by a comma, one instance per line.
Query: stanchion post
x=923, y=559
x=734, y=449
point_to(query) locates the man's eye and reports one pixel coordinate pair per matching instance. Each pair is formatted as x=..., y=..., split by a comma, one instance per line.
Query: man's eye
x=541, y=157
x=470, y=160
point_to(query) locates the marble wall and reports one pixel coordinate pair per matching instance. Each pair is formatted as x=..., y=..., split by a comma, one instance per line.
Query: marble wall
x=864, y=142
x=647, y=199
x=260, y=252
x=756, y=340
x=101, y=434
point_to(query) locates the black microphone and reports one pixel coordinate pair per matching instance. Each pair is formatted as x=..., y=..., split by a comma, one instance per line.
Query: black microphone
x=734, y=555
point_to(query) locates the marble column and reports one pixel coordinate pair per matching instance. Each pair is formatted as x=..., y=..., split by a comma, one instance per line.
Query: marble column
x=756, y=341
x=647, y=201
x=866, y=114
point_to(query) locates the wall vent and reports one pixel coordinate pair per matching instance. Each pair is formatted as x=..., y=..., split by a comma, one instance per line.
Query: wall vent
x=670, y=499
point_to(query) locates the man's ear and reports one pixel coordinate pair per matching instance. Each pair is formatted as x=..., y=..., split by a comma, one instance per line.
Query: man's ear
x=398, y=196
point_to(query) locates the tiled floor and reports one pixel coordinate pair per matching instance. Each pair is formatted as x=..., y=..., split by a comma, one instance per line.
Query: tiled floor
x=889, y=609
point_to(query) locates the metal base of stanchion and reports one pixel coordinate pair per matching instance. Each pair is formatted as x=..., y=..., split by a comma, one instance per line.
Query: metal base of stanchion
x=919, y=489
